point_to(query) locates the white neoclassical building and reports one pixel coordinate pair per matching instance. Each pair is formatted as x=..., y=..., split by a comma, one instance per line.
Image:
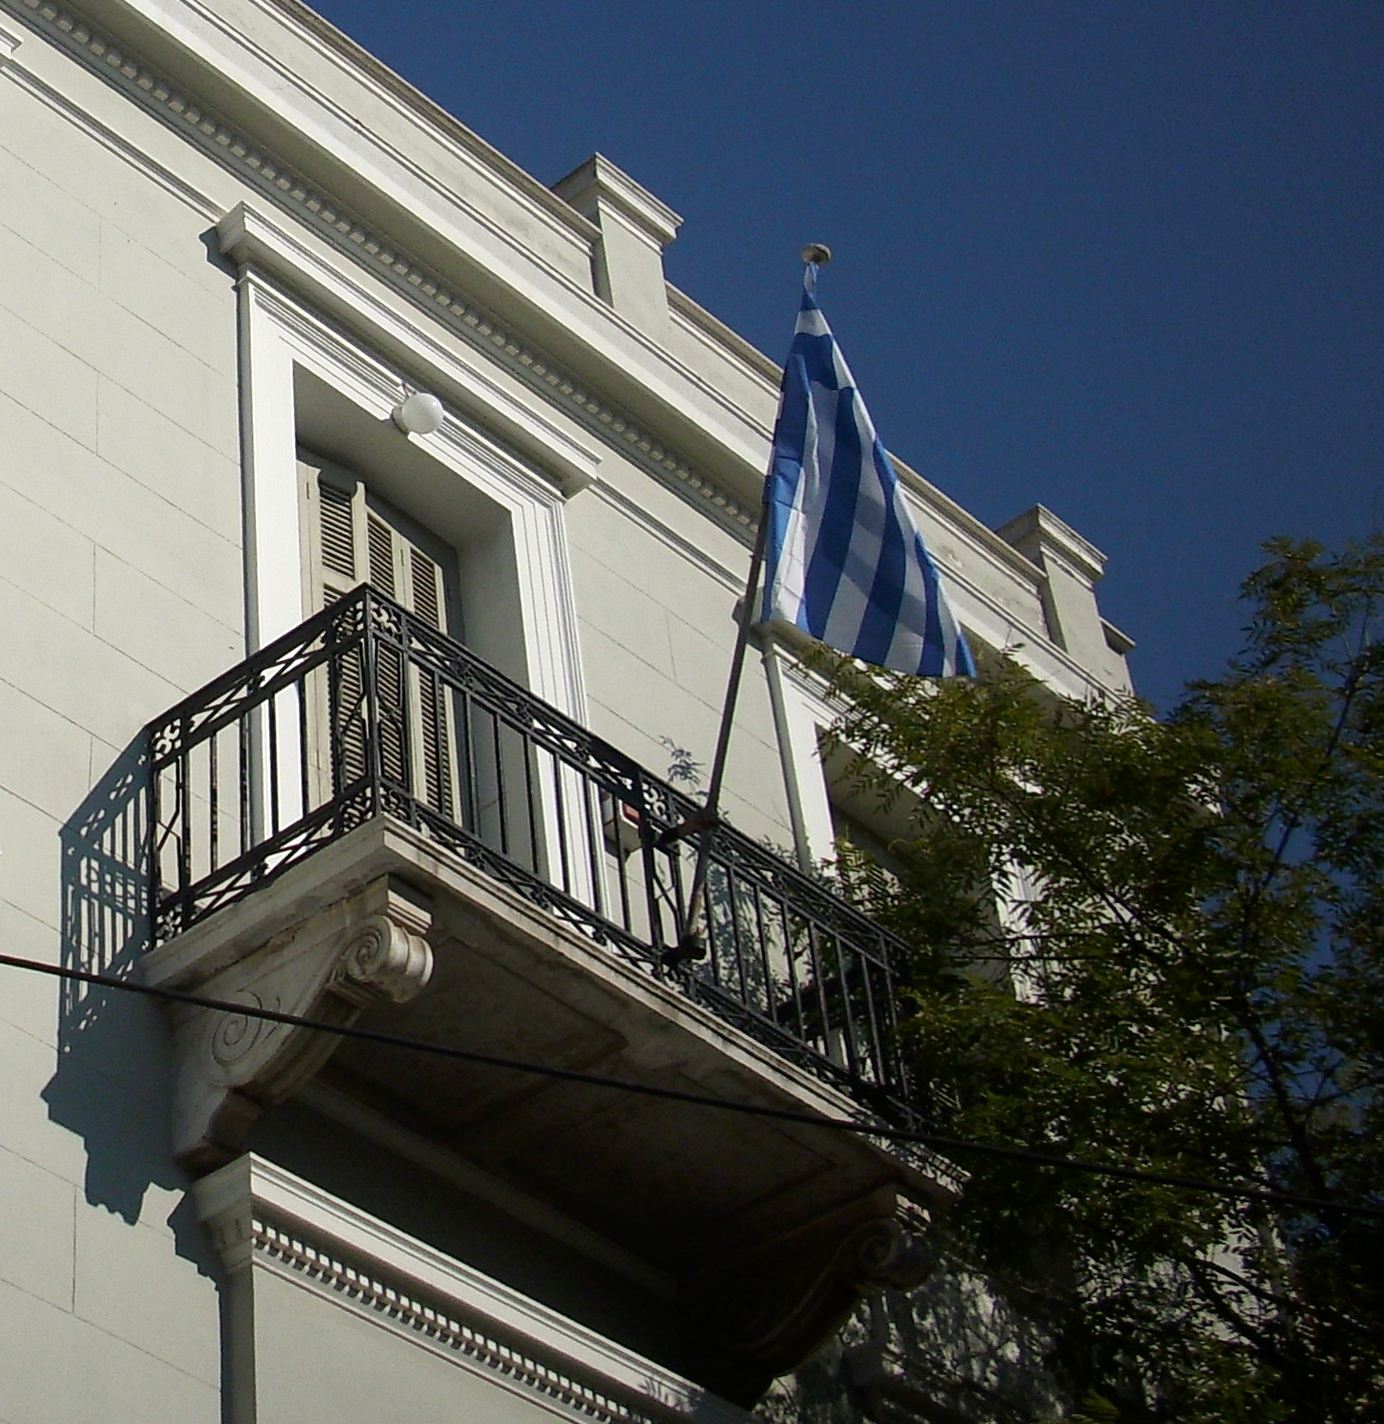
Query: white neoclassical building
x=383, y=722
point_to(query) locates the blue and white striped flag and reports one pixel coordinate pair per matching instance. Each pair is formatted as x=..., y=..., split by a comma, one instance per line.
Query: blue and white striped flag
x=844, y=561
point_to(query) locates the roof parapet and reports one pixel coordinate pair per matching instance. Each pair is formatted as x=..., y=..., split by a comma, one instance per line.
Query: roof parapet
x=1040, y=535
x=627, y=264
x=1071, y=566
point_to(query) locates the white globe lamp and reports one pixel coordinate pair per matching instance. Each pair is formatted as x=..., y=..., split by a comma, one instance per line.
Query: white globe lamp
x=418, y=414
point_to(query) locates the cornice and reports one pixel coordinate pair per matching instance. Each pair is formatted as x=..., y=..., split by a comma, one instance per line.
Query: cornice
x=321, y=212
x=9, y=44
x=712, y=328
x=428, y=119
x=262, y=1217
x=407, y=98
x=369, y=1291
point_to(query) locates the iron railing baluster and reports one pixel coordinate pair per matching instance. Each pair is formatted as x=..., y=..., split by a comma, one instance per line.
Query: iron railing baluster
x=304, y=769
x=213, y=808
x=560, y=829
x=622, y=867
x=272, y=766
x=591, y=830
x=184, y=796
x=531, y=809
x=845, y=974
x=242, y=725
x=790, y=961
x=501, y=800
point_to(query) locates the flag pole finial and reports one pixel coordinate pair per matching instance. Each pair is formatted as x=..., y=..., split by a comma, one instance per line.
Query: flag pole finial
x=816, y=254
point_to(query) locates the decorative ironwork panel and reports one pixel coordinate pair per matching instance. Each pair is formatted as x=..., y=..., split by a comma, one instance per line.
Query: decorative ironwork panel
x=368, y=710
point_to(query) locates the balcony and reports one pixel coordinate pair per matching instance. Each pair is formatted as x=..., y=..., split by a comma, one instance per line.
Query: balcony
x=366, y=822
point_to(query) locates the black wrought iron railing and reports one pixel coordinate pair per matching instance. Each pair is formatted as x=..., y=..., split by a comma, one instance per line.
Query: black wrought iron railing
x=365, y=710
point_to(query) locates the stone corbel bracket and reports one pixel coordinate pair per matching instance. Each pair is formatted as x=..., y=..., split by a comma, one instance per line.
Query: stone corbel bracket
x=366, y=949
x=773, y=1307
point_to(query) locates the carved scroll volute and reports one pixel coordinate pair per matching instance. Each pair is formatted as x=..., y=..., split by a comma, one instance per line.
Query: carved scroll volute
x=368, y=949
x=771, y=1310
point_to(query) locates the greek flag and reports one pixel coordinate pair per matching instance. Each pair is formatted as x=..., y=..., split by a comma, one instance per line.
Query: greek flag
x=844, y=562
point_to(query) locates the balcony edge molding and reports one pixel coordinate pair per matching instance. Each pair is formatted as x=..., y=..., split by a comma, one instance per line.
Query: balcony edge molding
x=365, y=949
x=263, y=1218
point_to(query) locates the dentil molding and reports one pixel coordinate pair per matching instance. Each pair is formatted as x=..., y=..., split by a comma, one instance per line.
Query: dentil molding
x=263, y=1218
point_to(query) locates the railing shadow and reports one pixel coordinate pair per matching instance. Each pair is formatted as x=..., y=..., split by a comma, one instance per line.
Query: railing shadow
x=112, y=1083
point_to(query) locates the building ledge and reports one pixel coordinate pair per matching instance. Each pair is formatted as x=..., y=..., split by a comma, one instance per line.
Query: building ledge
x=265, y=1221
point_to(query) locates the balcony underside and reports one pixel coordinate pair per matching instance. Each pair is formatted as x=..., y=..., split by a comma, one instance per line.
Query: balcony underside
x=711, y=1197
x=511, y=981
x=366, y=824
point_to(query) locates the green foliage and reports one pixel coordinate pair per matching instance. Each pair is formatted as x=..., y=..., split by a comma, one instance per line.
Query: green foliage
x=1096, y=1409
x=1161, y=944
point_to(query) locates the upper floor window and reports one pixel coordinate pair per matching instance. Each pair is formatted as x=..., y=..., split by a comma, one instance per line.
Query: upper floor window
x=353, y=536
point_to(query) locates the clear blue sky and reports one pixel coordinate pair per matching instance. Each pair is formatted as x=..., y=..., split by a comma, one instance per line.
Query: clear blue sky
x=1123, y=259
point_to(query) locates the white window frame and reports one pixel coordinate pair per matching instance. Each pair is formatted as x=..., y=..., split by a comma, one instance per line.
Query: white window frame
x=279, y=332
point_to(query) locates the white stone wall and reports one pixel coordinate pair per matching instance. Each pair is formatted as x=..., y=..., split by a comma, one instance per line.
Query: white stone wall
x=120, y=590
x=122, y=577
x=657, y=617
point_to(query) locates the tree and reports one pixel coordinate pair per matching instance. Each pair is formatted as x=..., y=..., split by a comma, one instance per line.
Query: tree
x=1157, y=943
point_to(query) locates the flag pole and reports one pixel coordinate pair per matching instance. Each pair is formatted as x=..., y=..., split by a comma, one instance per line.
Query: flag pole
x=704, y=821
x=792, y=787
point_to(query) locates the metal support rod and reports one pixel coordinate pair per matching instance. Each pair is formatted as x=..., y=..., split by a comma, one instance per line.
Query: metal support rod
x=690, y=944
x=792, y=788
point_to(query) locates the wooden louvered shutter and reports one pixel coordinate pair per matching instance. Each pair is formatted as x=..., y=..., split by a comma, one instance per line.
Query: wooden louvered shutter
x=360, y=539
x=336, y=540
x=332, y=505
x=379, y=541
x=428, y=599
x=426, y=593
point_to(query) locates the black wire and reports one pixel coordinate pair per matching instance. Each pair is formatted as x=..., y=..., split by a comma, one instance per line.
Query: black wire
x=572, y=1075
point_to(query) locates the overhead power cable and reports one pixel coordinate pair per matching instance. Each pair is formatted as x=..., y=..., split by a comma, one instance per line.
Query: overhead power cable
x=932, y=1140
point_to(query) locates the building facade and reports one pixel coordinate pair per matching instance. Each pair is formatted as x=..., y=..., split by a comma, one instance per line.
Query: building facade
x=316, y=713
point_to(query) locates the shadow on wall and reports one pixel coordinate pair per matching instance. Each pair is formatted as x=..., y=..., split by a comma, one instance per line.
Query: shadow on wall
x=950, y=1351
x=113, y=1079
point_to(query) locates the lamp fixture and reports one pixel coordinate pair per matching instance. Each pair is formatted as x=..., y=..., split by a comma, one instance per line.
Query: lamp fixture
x=419, y=413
